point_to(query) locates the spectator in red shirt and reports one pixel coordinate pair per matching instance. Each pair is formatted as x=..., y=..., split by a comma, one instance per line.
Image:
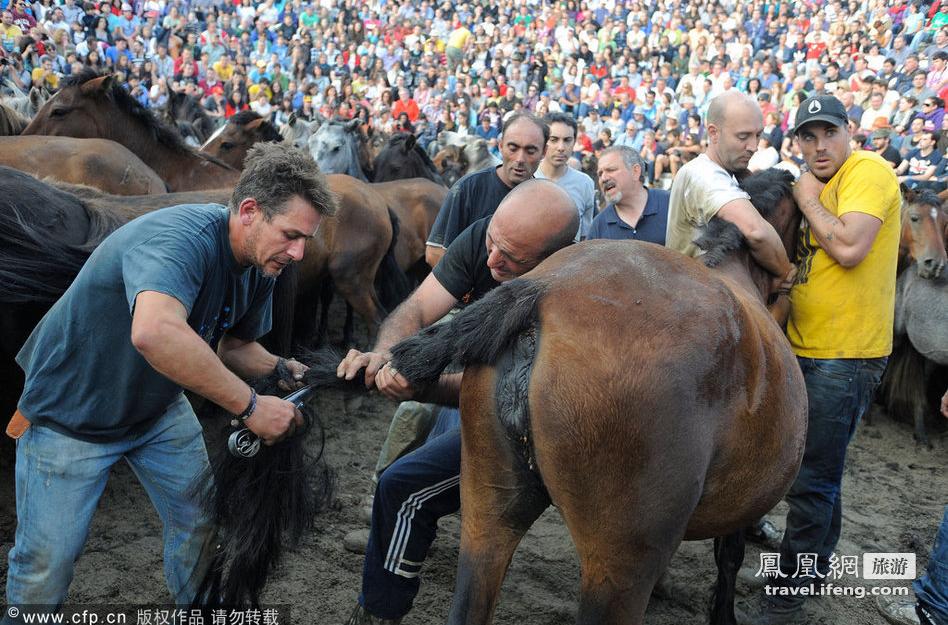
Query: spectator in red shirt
x=406, y=104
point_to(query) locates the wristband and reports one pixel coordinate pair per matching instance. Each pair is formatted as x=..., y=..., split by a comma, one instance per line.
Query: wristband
x=248, y=411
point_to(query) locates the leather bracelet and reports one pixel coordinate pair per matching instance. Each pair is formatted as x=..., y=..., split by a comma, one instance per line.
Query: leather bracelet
x=248, y=411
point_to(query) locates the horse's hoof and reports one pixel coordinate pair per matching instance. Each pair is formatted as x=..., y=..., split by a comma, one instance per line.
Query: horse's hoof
x=356, y=541
x=361, y=617
x=898, y=610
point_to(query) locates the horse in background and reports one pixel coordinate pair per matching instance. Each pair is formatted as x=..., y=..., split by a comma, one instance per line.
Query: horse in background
x=231, y=141
x=90, y=105
x=474, y=153
x=917, y=373
x=25, y=104
x=12, y=123
x=340, y=148
x=101, y=163
x=187, y=114
x=690, y=430
x=403, y=158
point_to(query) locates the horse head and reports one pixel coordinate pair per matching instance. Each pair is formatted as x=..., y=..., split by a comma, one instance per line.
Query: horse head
x=403, y=158
x=335, y=148
x=771, y=194
x=924, y=229
x=231, y=142
x=38, y=97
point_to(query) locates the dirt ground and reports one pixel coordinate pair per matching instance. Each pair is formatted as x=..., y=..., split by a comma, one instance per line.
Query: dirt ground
x=894, y=497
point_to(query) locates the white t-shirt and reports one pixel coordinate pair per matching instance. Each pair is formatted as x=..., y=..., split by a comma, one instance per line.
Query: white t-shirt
x=699, y=191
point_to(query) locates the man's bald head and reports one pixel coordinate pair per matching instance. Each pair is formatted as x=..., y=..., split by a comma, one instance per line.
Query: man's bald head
x=735, y=124
x=536, y=219
x=731, y=104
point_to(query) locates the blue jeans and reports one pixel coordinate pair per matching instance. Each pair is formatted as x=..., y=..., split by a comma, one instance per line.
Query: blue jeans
x=932, y=588
x=59, y=480
x=412, y=494
x=839, y=392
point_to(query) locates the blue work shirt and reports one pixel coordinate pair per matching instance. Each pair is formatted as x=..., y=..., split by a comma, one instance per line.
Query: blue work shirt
x=651, y=225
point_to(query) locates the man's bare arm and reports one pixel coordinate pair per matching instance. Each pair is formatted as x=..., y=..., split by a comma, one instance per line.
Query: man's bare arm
x=846, y=239
x=764, y=242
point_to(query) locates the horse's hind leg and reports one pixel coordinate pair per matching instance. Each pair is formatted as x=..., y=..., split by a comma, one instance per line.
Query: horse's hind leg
x=500, y=500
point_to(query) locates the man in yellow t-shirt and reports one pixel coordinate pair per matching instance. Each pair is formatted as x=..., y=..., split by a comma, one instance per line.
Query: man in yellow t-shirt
x=840, y=327
x=458, y=41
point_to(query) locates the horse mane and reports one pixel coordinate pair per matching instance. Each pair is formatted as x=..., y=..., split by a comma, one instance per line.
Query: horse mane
x=721, y=238
x=267, y=130
x=160, y=132
x=925, y=197
x=12, y=122
x=35, y=266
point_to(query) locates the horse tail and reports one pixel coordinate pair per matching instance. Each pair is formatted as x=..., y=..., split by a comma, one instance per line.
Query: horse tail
x=728, y=555
x=34, y=266
x=391, y=283
x=266, y=503
x=280, y=338
x=479, y=334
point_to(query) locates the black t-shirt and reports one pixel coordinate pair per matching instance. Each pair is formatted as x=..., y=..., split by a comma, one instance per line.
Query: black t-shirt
x=463, y=270
x=892, y=155
x=472, y=197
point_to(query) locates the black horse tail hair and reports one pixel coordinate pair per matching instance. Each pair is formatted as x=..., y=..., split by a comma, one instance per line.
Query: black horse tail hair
x=34, y=266
x=264, y=504
x=391, y=283
x=728, y=555
x=479, y=334
x=280, y=338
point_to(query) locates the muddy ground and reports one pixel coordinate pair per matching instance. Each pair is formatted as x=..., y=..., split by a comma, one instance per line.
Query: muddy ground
x=894, y=497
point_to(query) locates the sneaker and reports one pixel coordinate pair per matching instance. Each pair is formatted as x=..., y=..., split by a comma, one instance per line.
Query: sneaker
x=898, y=610
x=360, y=616
x=764, y=611
x=764, y=533
x=356, y=541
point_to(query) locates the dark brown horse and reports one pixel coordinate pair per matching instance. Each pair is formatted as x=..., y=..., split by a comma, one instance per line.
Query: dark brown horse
x=231, y=142
x=89, y=105
x=649, y=396
x=917, y=371
x=101, y=163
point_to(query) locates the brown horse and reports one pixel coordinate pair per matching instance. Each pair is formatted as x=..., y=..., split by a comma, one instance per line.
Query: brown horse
x=414, y=201
x=352, y=249
x=918, y=367
x=101, y=163
x=231, y=142
x=652, y=398
x=89, y=105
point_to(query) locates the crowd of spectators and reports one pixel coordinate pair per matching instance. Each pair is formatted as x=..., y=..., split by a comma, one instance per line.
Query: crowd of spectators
x=632, y=73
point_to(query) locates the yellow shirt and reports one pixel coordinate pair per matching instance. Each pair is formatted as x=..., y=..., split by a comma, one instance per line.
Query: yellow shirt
x=458, y=38
x=224, y=73
x=848, y=313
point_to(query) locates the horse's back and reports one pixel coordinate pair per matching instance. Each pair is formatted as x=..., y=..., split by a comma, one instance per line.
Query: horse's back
x=101, y=163
x=650, y=365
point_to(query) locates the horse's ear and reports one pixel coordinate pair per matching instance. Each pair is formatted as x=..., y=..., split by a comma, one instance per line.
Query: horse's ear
x=352, y=125
x=36, y=99
x=291, y=120
x=908, y=195
x=254, y=124
x=97, y=85
x=410, y=142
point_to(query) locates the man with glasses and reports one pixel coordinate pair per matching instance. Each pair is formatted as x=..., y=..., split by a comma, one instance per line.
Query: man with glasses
x=933, y=113
x=22, y=16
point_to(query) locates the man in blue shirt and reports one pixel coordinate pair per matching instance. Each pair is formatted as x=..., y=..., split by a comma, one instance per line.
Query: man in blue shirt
x=633, y=212
x=173, y=300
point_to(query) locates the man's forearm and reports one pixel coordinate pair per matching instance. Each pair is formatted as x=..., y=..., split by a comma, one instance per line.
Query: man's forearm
x=248, y=360
x=829, y=230
x=180, y=355
x=403, y=322
x=446, y=392
x=770, y=254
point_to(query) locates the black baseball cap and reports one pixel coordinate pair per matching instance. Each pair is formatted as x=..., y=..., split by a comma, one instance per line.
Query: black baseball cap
x=821, y=108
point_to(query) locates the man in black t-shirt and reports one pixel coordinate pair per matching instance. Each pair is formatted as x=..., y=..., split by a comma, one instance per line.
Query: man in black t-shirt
x=522, y=144
x=882, y=145
x=532, y=222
